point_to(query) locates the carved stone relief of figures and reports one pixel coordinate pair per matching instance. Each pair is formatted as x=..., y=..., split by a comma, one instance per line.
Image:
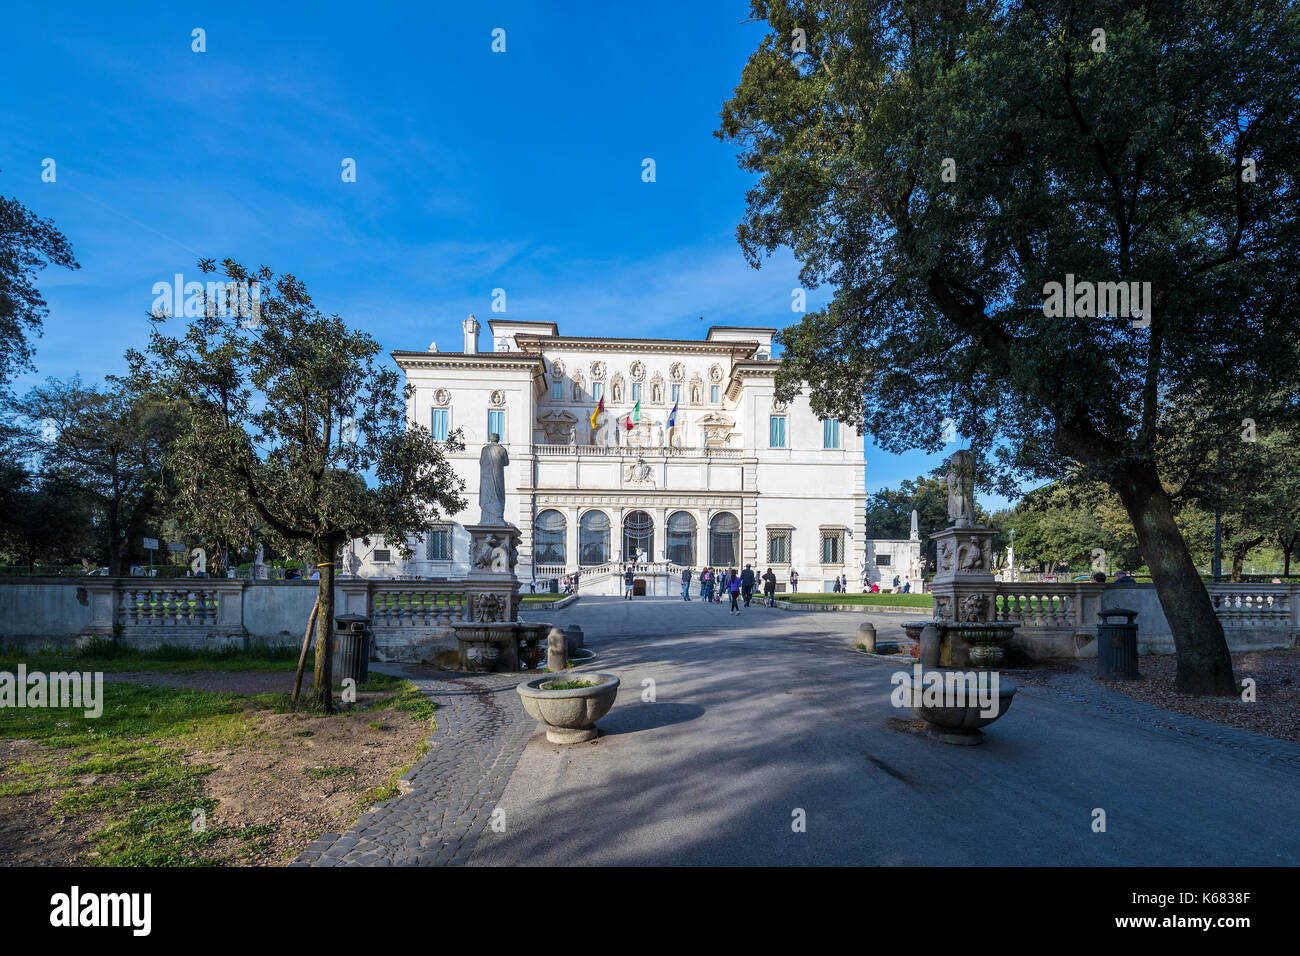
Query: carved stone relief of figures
x=677, y=371
x=557, y=426
x=943, y=608
x=715, y=372
x=486, y=608
x=557, y=368
x=970, y=556
x=597, y=370
x=717, y=429
x=947, y=554
x=973, y=607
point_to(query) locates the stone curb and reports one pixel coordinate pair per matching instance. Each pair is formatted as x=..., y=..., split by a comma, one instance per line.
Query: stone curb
x=856, y=608
x=548, y=606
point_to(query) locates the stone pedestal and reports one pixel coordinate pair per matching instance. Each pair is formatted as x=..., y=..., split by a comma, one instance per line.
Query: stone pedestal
x=964, y=587
x=493, y=550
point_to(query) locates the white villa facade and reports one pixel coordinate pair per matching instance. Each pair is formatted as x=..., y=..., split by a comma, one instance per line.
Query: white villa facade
x=741, y=478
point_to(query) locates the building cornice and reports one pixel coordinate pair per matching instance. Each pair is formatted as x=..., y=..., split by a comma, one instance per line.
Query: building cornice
x=572, y=343
x=750, y=368
x=488, y=361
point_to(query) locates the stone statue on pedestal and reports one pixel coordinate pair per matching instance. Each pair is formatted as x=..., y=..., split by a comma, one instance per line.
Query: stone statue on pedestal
x=492, y=463
x=961, y=489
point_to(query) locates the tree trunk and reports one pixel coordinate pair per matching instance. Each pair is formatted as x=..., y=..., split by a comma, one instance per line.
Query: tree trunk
x=1204, y=666
x=302, y=656
x=1239, y=554
x=323, y=695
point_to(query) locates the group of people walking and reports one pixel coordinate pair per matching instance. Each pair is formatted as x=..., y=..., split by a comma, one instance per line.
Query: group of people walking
x=739, y=586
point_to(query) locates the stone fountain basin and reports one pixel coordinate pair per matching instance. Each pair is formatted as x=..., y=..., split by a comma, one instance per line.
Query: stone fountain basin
x=569, y=715
x=952, y=723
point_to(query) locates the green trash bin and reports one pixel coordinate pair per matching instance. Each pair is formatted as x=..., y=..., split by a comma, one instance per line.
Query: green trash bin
x=1117, y=645
x=351, y=648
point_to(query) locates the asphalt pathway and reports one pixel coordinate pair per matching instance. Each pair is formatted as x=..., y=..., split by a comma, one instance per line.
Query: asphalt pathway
x=763, y=720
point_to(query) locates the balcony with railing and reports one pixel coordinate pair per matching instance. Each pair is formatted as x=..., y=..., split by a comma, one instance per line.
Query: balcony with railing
x=635, y=451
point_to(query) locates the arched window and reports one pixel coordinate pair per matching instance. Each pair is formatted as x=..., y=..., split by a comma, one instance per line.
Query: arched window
x=681, y=538
x=638, y=535
x=548, y=538
x=593, y=538
x=724, y=541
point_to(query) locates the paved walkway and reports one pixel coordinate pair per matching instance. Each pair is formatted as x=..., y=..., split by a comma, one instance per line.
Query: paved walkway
x=481, y=731
x=773, y=715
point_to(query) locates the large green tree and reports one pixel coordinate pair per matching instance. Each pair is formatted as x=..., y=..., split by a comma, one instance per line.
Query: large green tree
x=107, y=442
x=28, y=244
x=941, y=163
x=294, y=422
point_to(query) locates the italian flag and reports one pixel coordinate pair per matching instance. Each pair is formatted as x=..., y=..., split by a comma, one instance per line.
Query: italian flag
x=635, y=416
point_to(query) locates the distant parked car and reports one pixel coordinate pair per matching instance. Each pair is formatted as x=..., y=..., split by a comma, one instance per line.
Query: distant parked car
x=102, y=572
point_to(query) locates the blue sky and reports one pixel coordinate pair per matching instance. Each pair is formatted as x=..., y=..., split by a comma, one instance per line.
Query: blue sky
x=475, y=170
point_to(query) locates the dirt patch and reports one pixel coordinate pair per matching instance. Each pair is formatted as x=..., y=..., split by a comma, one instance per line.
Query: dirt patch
x=32, y=831
x=288, y=778
x=303, y=776
x=1275, y=710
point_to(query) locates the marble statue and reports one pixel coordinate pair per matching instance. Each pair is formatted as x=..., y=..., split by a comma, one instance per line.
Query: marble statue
x=492, y=463
x=961, y=489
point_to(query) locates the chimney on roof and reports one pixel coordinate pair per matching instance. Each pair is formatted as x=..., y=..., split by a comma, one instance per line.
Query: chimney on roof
x=471, y=327
x=433, y=346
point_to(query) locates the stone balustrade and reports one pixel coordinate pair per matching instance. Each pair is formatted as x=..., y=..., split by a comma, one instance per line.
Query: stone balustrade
x=633, y=451
x=1059, y=619
x=411, y=620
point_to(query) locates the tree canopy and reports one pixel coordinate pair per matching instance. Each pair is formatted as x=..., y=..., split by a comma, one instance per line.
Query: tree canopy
x=28, y=244
x=294, y=422
x=941, y=164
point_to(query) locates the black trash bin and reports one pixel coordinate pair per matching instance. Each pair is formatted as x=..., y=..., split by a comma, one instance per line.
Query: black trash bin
x=1117, y=645
x=351, y=648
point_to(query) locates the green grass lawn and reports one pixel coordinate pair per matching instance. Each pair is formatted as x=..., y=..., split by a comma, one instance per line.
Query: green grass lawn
x=885, y=600
x=541, y=598
x=128, y=767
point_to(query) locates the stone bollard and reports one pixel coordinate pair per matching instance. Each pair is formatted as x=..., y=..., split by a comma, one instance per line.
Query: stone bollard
x=557, y=654
x=867, y=636
x=930, y=638
x=574, y=634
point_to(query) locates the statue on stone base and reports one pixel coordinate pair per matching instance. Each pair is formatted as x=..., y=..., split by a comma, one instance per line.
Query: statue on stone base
x=961, y=489
x=492, y=463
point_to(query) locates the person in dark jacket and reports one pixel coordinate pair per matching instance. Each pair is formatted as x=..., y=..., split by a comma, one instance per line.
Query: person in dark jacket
x=747, y=583
x=628, y=581
x=769, y=588
x=733, y=586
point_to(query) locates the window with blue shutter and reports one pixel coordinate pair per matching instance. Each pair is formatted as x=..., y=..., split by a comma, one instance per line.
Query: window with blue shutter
x=440, y=424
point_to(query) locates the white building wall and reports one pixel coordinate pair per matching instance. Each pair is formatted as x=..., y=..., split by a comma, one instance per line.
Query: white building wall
x=803, y=486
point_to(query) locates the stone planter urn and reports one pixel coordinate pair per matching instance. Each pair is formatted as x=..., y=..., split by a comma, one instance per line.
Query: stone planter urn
x=950, y=719
x=569, y=715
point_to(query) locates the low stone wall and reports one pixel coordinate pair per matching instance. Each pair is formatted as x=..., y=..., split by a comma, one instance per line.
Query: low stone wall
x=411, y=621
x=1254, y=617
